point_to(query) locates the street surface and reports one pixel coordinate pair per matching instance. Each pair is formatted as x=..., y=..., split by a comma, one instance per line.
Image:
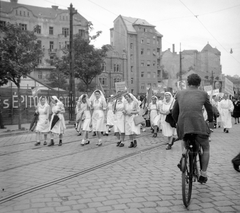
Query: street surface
x=89, y=179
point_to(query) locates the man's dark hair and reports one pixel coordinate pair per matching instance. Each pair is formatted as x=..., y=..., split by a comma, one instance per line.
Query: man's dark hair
x=194, y=80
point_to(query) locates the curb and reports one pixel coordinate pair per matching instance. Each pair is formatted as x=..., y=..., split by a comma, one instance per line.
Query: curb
x=23, y=132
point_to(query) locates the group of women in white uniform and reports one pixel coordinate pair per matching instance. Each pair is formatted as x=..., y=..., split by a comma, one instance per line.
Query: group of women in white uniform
x=56, y=125
x=117, y=114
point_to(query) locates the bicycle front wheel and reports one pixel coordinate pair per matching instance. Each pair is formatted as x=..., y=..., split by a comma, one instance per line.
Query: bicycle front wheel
x=187, y=178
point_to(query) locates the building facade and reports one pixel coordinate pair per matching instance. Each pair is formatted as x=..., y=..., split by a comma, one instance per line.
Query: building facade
x=142, y=45
x=51, y=26
x=114, y=68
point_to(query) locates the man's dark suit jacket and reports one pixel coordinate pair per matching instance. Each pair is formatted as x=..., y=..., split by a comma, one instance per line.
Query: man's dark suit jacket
x=188, y=112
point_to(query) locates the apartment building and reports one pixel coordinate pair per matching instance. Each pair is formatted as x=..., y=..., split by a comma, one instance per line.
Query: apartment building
x=142, y=45
x=51, y=26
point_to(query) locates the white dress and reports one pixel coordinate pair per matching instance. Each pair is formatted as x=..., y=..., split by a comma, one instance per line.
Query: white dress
x=86, y=117
x=130, y=127
x=98, y=124
x=119, y=122
x=43, y=121
x=59, y=127
x=167, y=130
x=226, y=108
x=110, y=115
x=154, y=115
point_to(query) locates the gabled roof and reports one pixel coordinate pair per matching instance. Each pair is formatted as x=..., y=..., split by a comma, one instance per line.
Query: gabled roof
x=41, y=12
x=130, y=22
x=209, y=48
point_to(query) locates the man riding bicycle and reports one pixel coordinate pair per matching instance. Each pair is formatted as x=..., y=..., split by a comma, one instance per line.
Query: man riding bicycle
x=187, y=112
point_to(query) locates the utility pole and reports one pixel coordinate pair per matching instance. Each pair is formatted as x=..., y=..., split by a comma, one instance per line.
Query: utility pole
x=72, y=11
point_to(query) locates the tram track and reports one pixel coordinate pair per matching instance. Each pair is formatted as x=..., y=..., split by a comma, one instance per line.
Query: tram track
x=76, y=174
x=107, y=143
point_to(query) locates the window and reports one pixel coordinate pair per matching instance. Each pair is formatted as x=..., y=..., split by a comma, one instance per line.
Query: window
x=65, y=31
x=40, y=75
x=51, y=45
x=28, y=14
x=142, y=74
x=16, y=12
x=117, y=68
x=154, y=63
x=142, y=64
x=132, y=90
x=38, y=29
x=114, y=67
x=20, y=12
x=82, y=33
x=111, y=33
x=142, y=86
x=104, y=66
x=148, y=63
x=154, y=52
x=142, y=41
x=67, y=44
x=144, y=30
x=24, y=14
x=131, y=80
x=131, y=46
x=50, y=30
x=142, y=51
x=149, y=75
x=23, y=26
x=131, y=68
x=148, y=52
x=148, y=40
x=154, y=75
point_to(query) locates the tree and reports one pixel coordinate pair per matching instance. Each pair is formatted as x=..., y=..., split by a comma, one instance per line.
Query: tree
x=82, y=88
x=20, y=54
x=58, y=79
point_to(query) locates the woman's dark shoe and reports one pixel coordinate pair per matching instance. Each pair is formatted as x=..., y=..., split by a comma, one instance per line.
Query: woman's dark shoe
x=60, y=143
x=94, y=134
x=88, y=142
x=118, y=143
x=227, y=131
x=134, y=143
x=45, y=143
x=51, y=143
x=105, y=134
x=37, y=143
x=169, y=146
x=224, y=130
x=131, y=145
x=79, y=134
x=121, y=144
x=154, y=135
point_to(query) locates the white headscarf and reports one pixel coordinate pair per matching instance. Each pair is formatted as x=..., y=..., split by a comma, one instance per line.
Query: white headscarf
x=39, y=102
x=93, y=96
x=171, y=98
x=59, y=103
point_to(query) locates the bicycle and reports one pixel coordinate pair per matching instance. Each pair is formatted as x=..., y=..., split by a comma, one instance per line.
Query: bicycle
x=190, y=165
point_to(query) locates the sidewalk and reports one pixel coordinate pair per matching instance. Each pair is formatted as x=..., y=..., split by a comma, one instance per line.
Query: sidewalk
x=11, y=130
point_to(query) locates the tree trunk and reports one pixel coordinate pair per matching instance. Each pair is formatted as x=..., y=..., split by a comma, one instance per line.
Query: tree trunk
x=19, y=108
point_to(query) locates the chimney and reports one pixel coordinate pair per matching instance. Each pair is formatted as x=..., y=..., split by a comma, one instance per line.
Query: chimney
x=173, y=48
x=54, y=7
x=14, y=1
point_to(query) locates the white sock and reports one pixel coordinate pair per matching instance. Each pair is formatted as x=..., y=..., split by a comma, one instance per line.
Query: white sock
x=204, y=174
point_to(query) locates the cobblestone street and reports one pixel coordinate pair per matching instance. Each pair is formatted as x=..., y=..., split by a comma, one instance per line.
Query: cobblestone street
x=75, y=179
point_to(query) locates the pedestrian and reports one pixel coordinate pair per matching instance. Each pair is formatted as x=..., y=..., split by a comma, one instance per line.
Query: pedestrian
x=42, y=126
x=98, y=106
x=86, y=118
x=226, y=109
x=57, y=123
x=154, y=110
x=219, y=118
x=110, y=116
x=119, y=123
x=167, y=130
x=131, y=110
x=79, y=116
x=236, y=110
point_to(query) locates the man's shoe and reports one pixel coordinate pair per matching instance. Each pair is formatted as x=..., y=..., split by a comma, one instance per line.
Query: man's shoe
x=88, y=142
x=60, y=143
x=224, y=130
x=202, y=179
x=169, y=146
x=118, y=143
x=236, y=167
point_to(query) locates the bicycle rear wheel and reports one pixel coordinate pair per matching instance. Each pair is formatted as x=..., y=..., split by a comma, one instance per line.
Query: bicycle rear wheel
x=187, y=178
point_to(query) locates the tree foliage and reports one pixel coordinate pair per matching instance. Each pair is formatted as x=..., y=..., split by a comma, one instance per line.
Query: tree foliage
x=20, y=53
x=58, y=79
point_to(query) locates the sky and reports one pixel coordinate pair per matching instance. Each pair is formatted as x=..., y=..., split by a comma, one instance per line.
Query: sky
x=191, y=23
